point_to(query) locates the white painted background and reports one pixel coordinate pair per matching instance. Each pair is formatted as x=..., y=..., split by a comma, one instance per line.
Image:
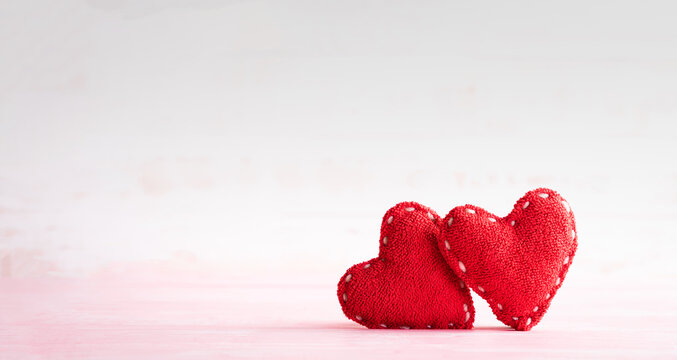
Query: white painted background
x=265, y=138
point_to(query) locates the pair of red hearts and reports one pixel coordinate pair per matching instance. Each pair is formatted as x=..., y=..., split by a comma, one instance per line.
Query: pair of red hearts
x=426, y=265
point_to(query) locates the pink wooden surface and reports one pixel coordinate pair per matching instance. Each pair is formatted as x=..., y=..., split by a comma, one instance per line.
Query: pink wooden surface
x=112, y=319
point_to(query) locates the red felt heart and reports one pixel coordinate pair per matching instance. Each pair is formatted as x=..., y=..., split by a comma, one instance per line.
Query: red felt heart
x=408, y=285
x=516, y=263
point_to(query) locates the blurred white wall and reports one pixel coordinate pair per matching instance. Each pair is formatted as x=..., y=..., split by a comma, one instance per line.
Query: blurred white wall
x=250, y=138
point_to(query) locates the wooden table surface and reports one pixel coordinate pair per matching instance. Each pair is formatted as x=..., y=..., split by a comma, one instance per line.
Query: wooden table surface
x=113, y=319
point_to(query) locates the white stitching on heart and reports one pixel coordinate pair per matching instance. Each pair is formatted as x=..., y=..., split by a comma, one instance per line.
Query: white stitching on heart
x=461, y=284
x=543, y=195
x=461, y=266
x=547, y=296
x=559, y=280
x=446, y=244
x=500, y=307
x=358, y=317
x=390, y=220
x=345, y=297
x=405, y=327
x=384, y=326
x=480, y=288
x=512, y=223
x=525, y=205
x=430, y=216
x=535, y=309
x=470, y=211
x=573, y=234
x=348, y=277
x=366, y=266
x=465, y=307
x=515, y=318
x=566, y=260
x=566, y=206
x=451, y=219
x=528, y=321
x=451, y=325
x=385, y=240
x=409, y=209
x=467, y=316
x=492, y=219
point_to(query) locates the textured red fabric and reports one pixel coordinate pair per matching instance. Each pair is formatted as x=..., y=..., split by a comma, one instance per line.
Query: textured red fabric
x=408, y=285
x=518, y=262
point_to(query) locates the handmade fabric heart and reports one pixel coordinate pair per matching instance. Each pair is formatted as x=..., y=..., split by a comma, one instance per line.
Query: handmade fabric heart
x=408, y=286
x=516, y=263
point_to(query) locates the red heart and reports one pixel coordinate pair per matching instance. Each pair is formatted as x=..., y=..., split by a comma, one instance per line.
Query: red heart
x=516, y=263
x=408, y=285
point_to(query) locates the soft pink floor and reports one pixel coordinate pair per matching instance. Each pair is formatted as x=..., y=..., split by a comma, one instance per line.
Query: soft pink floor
x=104, y=319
